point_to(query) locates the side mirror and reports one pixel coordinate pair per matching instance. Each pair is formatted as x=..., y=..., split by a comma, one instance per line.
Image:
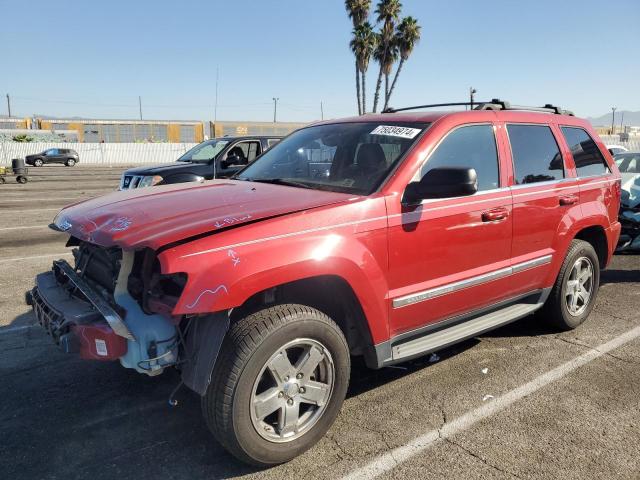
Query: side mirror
x=442, y=183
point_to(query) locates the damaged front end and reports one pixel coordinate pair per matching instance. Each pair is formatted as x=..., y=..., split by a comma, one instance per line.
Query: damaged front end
x=111, y=305
x=630, y=233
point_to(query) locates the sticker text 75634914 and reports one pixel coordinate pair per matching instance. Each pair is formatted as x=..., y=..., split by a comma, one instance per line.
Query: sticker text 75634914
x=395, y=131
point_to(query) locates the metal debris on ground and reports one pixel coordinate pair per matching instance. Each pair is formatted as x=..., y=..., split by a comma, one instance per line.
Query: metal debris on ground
x=434, y=358
x=485, y=370
x=487, y=397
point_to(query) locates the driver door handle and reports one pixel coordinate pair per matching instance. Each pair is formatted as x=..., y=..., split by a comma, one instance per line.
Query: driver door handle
x=495, y=214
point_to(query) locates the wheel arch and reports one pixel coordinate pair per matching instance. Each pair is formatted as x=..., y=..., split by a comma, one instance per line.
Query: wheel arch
x=332, y=295
x=597, y=237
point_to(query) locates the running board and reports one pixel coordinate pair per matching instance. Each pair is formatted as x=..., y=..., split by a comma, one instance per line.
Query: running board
x=461, y=331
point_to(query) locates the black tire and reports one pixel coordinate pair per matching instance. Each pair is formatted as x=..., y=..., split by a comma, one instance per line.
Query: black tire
x=21, y=179
x=38, y=162
x=2, y=180
x=70, y=162
x=249, y=345
x=556, y=310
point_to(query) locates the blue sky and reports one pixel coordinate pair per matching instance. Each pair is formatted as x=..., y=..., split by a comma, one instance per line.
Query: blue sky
x=79, y=58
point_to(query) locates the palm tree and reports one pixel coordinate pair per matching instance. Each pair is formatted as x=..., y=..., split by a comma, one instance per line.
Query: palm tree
x=363, y=45
x=358, y=11
x=387, y=11
x=407, y=36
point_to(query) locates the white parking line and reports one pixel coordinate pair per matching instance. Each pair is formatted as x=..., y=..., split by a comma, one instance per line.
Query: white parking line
x=34, y=210
x=388, y=461
x=4, y=229
x=49, y=199
x=33, y=257
x=4, y=330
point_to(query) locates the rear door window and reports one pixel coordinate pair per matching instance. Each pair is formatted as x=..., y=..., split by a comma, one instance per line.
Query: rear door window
x=472, y=146
x=535, y=153
x=586, y=154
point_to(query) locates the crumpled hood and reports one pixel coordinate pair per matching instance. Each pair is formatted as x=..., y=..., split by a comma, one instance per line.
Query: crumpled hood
x=153, y=217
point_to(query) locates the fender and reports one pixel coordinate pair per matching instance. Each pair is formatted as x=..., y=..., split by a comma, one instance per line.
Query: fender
x=572, y=223
x=225, y=276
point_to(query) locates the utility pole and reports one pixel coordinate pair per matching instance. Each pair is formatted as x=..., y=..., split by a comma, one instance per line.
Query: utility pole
x=275, y=108
x=140, y=106
x=215, y=108
x=9, y=105
x=621, y=122
x=613, y=119
x=321, y=111
x=472, y=91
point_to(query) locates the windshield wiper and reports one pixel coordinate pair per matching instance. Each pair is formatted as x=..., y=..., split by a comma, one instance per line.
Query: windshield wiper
x=279, y=181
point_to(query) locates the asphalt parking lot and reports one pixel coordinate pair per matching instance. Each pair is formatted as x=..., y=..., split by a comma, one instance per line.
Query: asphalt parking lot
x=520, y=402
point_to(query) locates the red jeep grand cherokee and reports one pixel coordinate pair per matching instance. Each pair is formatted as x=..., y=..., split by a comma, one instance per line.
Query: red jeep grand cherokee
x=388, y=236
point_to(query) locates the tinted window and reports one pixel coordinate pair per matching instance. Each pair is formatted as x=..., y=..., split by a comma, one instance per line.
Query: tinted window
x=586, y=155
x=471, y=147
x=536, y=156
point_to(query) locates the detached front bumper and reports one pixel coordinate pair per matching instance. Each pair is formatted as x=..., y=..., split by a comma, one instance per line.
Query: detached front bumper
x=78, y=319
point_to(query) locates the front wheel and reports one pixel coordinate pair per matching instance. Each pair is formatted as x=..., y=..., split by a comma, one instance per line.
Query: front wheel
x=278, y=384
x=574, y=293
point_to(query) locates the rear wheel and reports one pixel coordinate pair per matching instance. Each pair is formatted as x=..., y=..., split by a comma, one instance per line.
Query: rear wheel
x=278, y=384
x=574, y=293
x=21, y=179
x=70, y=162
x=2, y=180
x=38, y=162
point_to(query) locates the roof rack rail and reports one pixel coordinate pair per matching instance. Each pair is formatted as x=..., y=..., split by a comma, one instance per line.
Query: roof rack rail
x=494, y=104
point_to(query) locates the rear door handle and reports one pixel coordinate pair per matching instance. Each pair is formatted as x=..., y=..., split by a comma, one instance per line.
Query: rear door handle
x=568, y=200
x=495, y=215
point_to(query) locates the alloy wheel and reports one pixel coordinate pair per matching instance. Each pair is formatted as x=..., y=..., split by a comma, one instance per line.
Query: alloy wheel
x=292, y=390
x=579, y=286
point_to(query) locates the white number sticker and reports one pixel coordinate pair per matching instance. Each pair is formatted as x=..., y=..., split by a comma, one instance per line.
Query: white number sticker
x=394, y=131
x=101, y=348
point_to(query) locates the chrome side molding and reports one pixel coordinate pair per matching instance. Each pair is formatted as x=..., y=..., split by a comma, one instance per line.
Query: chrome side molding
x=424, y=295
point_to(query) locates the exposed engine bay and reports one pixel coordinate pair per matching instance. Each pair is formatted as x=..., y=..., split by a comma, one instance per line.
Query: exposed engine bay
x=110, y=305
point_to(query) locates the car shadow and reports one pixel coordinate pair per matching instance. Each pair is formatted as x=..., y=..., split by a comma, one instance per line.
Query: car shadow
x=621, y=276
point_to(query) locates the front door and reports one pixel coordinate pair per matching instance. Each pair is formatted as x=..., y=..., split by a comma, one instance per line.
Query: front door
x=449, y=256
x=237, y=157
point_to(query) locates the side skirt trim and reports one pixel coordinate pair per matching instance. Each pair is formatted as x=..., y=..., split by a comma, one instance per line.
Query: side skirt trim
x=447, y=332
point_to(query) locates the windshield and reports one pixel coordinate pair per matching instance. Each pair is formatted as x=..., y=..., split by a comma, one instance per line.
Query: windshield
x=204, y=151
x=341, y=157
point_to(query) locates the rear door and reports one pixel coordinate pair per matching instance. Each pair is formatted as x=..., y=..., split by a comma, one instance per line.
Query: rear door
x=450, y=256
x=597, y=195
x=545, y=200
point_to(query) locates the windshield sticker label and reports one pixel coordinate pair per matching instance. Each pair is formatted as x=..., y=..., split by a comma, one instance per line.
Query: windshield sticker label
x=394, y=131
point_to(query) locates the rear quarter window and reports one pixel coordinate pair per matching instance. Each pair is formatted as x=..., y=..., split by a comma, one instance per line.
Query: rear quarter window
x=535, y=152
x=586, y=154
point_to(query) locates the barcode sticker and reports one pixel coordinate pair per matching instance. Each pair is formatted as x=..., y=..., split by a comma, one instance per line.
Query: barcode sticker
x=395, y=131
x=101, y=348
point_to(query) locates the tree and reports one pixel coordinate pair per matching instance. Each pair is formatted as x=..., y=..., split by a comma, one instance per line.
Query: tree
x=387, y=12
x=363, y=45
x=407, y=36
x=358, y=11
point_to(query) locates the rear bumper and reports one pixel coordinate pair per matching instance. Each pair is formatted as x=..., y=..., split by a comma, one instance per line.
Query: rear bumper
x=75, y=316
